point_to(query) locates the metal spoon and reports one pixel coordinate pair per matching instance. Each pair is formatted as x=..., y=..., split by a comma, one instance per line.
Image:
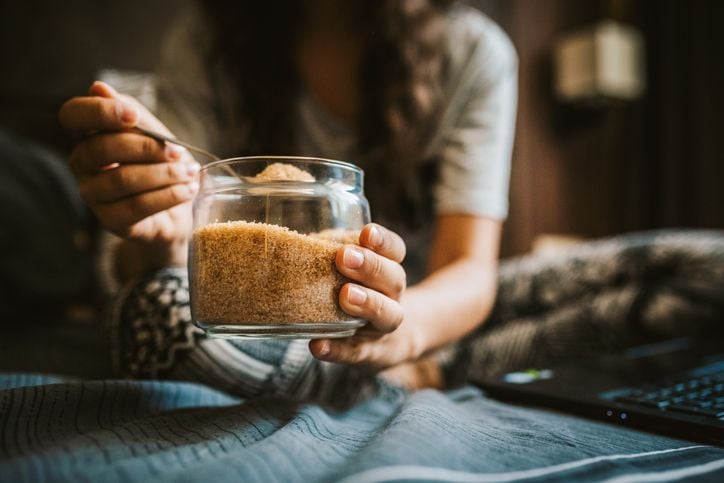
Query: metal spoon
x=160, y=137
x=163, y=138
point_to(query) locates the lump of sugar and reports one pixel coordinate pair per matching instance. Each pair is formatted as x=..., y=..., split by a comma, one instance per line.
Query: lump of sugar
x=283, y=172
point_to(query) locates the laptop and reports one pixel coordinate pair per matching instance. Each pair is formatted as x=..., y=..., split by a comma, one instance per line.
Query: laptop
x=675, y=388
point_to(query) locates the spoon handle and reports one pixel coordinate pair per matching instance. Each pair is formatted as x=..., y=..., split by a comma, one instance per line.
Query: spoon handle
x=160, y=137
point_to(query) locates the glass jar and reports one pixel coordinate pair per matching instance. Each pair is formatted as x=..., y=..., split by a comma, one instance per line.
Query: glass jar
x=265, y=236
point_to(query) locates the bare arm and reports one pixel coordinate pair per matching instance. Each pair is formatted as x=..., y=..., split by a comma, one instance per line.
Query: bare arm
x=459, y=293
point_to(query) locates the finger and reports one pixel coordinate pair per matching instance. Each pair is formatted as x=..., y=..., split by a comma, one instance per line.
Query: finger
x=101, y=89
x=94, y=153
x=82, y=115
x=343, y=351
x=372, y=270
x=121, y=215
x=383, y=241
x=146, y=118
x=132, y=179
x=368, y=332
x=382, y=312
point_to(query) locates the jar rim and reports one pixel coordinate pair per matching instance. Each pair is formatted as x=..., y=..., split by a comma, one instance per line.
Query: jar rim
x=323, y=161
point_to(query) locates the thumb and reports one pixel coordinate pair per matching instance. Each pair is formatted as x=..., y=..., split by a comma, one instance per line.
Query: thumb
x=101, y=89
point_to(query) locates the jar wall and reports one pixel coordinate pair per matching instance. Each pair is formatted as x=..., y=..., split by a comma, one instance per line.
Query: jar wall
x=263, y=248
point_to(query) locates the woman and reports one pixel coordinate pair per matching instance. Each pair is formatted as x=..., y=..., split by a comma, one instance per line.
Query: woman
x=420, y=93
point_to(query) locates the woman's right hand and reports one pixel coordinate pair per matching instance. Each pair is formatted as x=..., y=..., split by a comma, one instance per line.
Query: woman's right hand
x=140, y=189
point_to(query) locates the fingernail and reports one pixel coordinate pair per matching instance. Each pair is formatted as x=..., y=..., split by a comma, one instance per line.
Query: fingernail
x=375, y=237
x=194, y=187
x=173, y=152
x=192, y=168
x=127, y=114
x=356, y=295
x=325, y=349
x=353, y=258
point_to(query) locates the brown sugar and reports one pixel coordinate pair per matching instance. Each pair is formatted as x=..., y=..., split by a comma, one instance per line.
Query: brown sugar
x=257, y=273
x=283, y=172
x=339, y=235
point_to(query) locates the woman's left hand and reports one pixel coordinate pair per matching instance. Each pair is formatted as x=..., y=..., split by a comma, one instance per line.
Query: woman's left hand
x=379, y=282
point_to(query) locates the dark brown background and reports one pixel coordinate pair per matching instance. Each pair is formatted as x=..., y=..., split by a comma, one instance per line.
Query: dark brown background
x=585, y=171
x=653, y=163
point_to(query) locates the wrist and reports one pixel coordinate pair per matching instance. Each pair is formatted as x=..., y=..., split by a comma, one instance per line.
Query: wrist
x=416, y=336
x=135, y=258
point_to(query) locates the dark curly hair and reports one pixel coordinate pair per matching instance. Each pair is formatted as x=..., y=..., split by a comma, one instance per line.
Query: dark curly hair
x=402, y=68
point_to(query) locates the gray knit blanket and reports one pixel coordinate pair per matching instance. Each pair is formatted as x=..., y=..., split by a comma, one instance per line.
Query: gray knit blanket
x=599, y=297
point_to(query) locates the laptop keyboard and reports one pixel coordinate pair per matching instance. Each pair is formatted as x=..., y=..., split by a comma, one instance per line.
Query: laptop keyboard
x=700, y=396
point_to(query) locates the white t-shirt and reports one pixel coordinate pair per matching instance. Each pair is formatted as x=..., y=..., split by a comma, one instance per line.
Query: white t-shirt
x=472, y=143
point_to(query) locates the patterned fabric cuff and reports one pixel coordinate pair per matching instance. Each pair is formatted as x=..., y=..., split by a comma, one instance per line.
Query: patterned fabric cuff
x=151, y=324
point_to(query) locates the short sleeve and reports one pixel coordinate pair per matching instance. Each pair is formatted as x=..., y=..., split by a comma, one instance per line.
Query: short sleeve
x=475, y=138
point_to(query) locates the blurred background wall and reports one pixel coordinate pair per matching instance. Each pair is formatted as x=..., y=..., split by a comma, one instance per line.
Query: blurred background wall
x=650, y=163
x=586, y=170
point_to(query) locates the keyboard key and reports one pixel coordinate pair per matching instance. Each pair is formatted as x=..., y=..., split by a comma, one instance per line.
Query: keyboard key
x=701, y=396
x=643, y=402
x=714, y=413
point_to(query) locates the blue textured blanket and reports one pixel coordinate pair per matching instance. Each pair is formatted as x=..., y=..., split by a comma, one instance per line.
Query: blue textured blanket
x=56, y=430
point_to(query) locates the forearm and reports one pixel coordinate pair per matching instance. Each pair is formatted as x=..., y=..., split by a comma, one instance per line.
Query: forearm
x=135, y=258
x=449, y=303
